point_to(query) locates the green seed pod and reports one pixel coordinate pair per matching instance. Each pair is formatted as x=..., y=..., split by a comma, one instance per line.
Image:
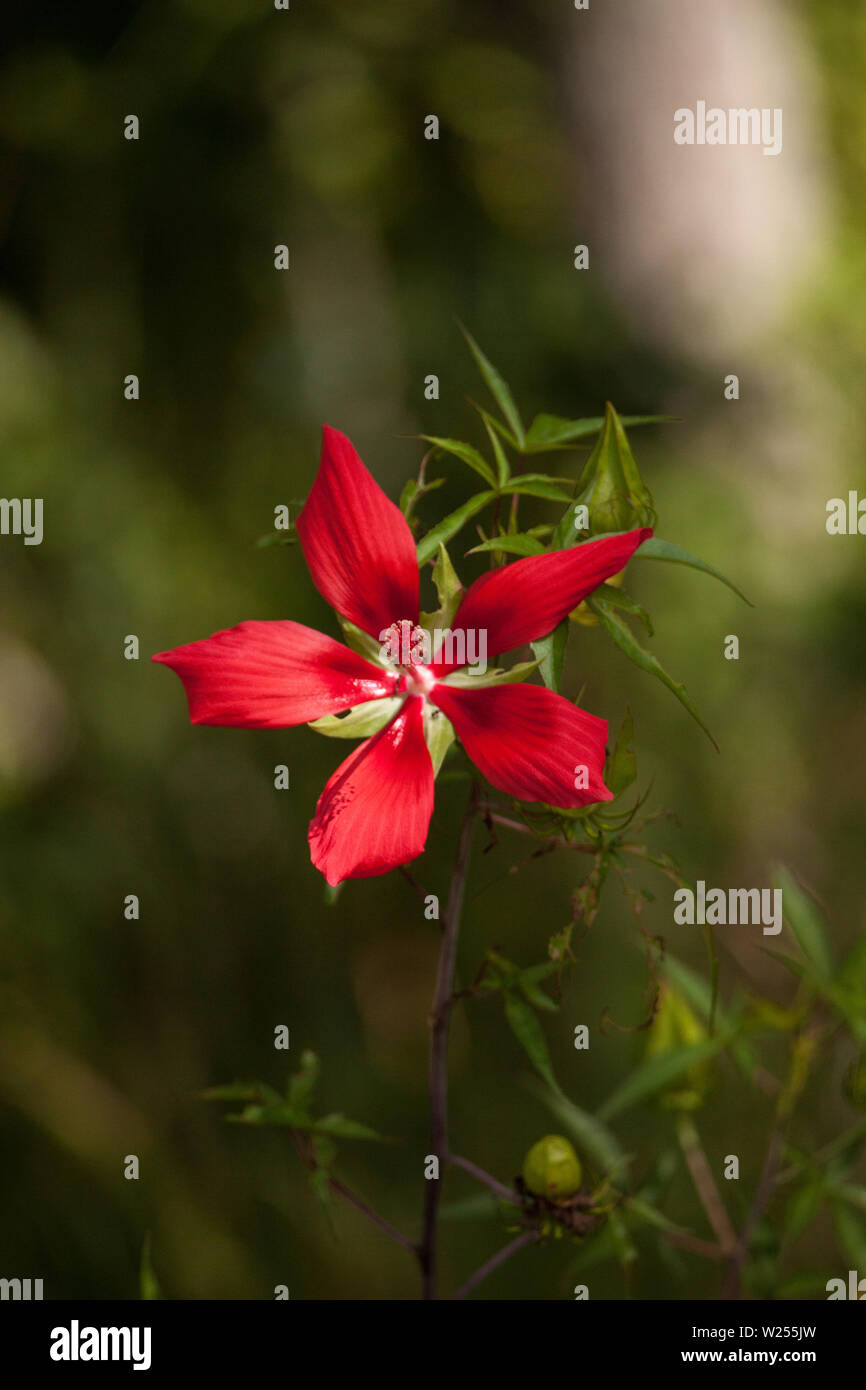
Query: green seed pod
x=552, y=1169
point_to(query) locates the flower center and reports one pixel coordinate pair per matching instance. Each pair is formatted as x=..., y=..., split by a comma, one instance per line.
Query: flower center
x=407, y=645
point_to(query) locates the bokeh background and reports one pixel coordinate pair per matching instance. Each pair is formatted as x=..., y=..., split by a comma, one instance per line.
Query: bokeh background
x=155, y=257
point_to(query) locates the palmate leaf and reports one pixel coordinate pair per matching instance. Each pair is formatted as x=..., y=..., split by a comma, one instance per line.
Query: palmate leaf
x=628, y=643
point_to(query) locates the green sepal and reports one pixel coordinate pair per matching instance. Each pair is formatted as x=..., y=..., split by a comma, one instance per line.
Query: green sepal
x=361, y=721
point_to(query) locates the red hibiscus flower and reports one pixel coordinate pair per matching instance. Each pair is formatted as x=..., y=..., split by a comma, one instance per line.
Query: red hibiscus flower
x=375, y=810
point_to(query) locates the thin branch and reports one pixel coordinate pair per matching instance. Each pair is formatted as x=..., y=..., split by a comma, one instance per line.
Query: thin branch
x=413, y=883
x=439, y=1020
x=705, y=1186
x=552, y=842
x=519, y=1243
x=802, y=1054
x=487, y=1179
x=695, y=1245
x=308, y=1158
x=372, y=1215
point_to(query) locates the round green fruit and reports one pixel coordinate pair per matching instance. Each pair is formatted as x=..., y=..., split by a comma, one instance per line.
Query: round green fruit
x=552, y=1169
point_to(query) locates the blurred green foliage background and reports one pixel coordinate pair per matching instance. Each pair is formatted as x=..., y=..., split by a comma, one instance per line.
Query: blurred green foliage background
x=155, y=257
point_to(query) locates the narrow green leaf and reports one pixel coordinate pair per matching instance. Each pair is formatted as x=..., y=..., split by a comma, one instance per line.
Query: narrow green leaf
x=527, y=1029
x=451, y=524
x=628, y=643
x=408, y=495
x=538, y=485
x=342, y=1128
x=147, y=1281
x=802, y=1208
x=548, y=431
x=303, y=1083
x=503, y=472
x=645, y=1211
x=519, y=544
x=657, y=549
x=550, y=651
x=592, y=1135
x=851, y=1230
x=498, y=389
x=502, y=430
x=621, y=770
x=656, y=1073
x=535, y=995
x=236, y=1090
x=465, y=453
x=277, y=538
x=800, y=914
x=616, y=598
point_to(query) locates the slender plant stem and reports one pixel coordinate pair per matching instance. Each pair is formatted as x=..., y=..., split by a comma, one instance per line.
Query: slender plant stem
x=307, y=1157
x=371, y=1214
x=553, y=842
x=439, y=1020
x=705, y=1185
x=519, y=1243
x=803, y=1052
x=480, y=1175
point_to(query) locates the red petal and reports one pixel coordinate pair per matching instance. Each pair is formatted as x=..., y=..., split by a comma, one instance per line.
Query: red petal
x=529, y=742
x=527, y=599
x=357, y=544
x=268, y=675
x=374, y=813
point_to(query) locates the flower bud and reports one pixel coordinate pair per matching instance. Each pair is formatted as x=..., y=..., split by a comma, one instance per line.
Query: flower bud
x=611, y=485
x=552, y=1169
